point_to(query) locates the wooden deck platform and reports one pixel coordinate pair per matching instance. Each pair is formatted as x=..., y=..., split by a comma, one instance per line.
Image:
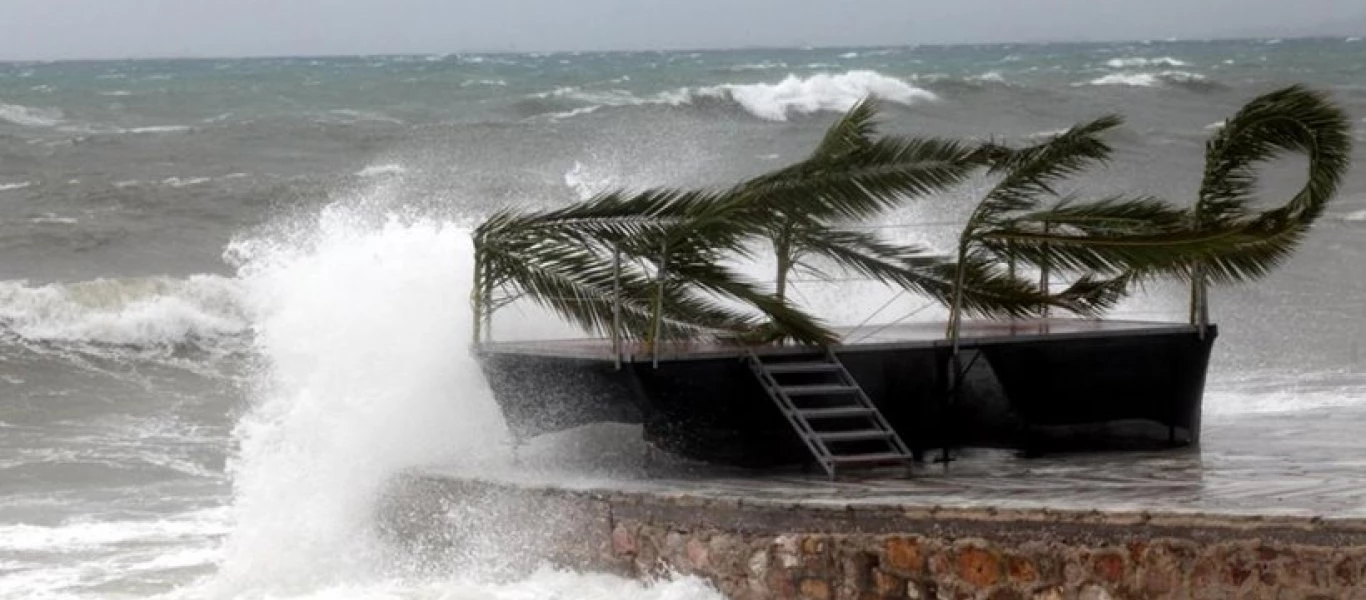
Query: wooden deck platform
x=867, y=337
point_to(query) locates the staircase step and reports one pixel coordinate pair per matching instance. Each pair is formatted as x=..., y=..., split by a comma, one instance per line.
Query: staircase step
x=824, y=389
x=811, y=367
x=835, y=413
x=853, y=436
x=866, y=459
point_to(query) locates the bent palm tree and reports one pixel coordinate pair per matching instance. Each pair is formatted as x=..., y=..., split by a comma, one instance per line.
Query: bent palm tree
x=1221, y=238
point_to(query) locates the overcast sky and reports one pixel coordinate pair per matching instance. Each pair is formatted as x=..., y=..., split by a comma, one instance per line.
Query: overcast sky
x=48, y=29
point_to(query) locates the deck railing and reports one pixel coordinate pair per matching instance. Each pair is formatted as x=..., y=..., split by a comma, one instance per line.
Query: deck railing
x=486, y=301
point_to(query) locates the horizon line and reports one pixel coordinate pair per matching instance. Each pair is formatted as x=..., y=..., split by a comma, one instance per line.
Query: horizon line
x=680, y=49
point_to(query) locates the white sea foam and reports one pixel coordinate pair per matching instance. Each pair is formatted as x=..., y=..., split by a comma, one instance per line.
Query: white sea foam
x=384, y=170
x=1147, y=79
x=152, y=311
x=180, y=182
x=848, y=55
x=29, y=116
x=989, y=76
x=17, y=185
x=1356, y=216
x=586, y=183
x=53, y=219
x=818, y=92
x=759, y=66
x=117, y=93
x=1283, y=392
x=773, y=101
x=1138, y=61
x=84, y=535
x=159, y=129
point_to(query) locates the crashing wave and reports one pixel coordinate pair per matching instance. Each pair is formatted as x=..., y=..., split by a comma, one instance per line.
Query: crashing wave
x=1138, y=61
x=1155, y=79
x=144, y=312
x=817, y=93
x=779, y=101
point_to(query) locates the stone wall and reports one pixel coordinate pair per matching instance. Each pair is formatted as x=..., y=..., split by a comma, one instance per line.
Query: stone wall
x=752, y=549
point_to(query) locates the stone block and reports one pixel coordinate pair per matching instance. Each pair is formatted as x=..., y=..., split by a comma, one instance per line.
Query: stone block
x=978, y=567
x=904, y=555
x=1108, y=566
x=1021, y=569
x=813, y=588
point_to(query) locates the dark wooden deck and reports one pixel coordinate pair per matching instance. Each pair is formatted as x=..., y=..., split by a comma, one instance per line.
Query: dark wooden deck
x=867, y=337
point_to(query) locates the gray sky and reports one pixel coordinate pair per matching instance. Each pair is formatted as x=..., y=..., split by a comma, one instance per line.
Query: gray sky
x=48, y=29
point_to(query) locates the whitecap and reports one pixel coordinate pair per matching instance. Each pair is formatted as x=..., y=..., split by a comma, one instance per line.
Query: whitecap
x=18, y=185
x=759, y=66
x=1147, y=79
x=29, y=116
x=989, y=76
x=1352, y=39
x=117, y=93
x=1358, y=216
x=582, y=110
x=159, y=129
x=385, y=170
x=1215, y=126
x=52, y=219
x=151, y=311
x=180, y=182
x=771, y=101
x=818, y=92
x=1138, y=61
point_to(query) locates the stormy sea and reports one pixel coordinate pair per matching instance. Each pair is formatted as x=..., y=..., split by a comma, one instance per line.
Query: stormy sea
x=234, y=293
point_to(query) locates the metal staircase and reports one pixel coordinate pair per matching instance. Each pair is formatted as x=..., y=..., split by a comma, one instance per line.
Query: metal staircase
x=830, y=412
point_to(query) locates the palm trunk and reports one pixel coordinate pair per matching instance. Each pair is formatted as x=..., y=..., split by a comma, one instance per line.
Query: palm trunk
x=1044, y=285
x=663, y=276
x=477, y=294
x=956, y=304
x=782, y=250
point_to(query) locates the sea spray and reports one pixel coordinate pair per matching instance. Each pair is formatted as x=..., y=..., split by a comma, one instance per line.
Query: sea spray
x=364, y=330
x=361, y=318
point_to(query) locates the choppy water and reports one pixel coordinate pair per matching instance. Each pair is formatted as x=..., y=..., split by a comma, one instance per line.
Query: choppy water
x=232, y=293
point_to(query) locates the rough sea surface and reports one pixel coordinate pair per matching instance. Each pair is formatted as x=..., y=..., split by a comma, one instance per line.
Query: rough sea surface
x=233, y=293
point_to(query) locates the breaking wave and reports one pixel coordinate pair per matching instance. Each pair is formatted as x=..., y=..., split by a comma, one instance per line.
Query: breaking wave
x=1181, y=79
x=29, y=116
x=1130, y=62
x=792, y=96
x=146, y=312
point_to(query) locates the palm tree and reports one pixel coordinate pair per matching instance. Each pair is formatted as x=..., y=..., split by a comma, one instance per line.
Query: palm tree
x=1293, y=120
x=1221, y=238
x=650, y=264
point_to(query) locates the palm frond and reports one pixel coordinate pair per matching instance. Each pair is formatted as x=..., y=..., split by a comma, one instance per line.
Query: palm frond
x=1291, y=120
x=1033, y=172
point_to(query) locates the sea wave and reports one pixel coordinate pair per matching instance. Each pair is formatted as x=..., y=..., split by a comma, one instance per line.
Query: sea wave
x=819, y=92
x=29, y=116
x=142, y=312
x=1138, y=61
x=1150, y=79
x=384, y=170
x=18, y=185
x=793, y=95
